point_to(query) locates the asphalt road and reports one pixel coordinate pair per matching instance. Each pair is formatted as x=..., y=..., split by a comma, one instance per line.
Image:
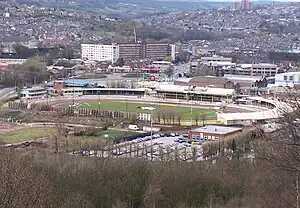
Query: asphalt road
x=181, y=69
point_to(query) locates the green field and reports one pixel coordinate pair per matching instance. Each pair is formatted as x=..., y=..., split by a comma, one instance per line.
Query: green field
x=25, y=134
x=28, y=134
x=185, y=112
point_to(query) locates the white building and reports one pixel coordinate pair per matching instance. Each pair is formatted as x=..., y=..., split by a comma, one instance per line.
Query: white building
x=210, y=59
x=161, y=64
x=33, y=93
x=173, y=52
x=287, y=79
x=6, y=62
x=98, y=52
x=261, y=69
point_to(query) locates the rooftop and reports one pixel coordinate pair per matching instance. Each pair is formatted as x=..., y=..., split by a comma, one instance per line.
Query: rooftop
x=243, y=77
x=208, y=79
x=257, y=65
x=104, y=89
x=196, y=90
x=217, y=129
x=77, y=81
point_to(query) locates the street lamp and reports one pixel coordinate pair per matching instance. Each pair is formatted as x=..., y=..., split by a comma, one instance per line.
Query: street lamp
x=99, y=100
x=191, y=100
x=151, y=109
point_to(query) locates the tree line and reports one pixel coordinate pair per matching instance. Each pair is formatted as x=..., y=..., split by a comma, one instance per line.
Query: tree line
x=32, y=71
x=34, y=178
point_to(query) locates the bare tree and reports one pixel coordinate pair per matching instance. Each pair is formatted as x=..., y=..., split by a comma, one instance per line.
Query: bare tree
x=196, y=118
x=281, y=151
x=203, y=117
x=21, y=185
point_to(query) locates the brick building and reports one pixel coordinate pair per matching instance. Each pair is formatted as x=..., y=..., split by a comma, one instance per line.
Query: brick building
x=211, y=132
x=144, y=50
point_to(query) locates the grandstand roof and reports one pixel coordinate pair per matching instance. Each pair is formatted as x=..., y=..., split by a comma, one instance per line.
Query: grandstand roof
x=77, y=82
x=103, y=89
x=197, y=90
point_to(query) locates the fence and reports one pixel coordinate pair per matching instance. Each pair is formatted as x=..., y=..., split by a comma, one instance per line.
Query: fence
x=72, y=111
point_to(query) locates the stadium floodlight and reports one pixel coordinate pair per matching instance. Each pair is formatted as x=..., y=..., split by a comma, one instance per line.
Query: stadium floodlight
x=151, y=109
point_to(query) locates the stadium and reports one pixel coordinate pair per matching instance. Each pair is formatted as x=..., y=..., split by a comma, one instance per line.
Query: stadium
x=217, y=104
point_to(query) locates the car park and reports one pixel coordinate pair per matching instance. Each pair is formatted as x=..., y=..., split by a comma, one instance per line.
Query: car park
x=187, y=144
x=182, y=140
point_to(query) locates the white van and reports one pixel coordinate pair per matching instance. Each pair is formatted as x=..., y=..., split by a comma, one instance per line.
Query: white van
x=133, y=127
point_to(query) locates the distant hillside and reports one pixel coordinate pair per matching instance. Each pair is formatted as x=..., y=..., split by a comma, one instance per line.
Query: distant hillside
x=129, y=8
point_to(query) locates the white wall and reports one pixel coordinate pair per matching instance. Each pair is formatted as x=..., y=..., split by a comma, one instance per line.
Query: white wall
x=290, y=79
x=173, y=52
x=97, y=52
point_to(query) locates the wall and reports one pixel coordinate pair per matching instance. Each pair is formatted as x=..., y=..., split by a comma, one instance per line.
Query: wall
x=212, y=135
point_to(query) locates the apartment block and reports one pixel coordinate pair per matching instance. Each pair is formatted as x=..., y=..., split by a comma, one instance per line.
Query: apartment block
x=143, y=50
x=127, y=51
x=131, y=51
x=100, y=52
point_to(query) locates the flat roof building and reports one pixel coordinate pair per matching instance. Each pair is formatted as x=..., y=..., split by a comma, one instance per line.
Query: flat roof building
x=144, y=50
x=261, y=69
x=33, y=93
x=207, y=59
x=212, y=132
x=287, y=79
x=131, y=51
x=97, y=52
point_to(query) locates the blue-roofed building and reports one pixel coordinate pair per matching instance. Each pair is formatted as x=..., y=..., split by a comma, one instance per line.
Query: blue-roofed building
x=75, y=83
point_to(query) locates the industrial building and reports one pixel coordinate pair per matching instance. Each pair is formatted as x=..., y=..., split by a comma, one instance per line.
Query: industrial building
x=211, y=132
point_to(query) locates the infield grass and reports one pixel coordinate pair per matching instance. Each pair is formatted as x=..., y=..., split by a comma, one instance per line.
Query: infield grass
x=185, y=112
